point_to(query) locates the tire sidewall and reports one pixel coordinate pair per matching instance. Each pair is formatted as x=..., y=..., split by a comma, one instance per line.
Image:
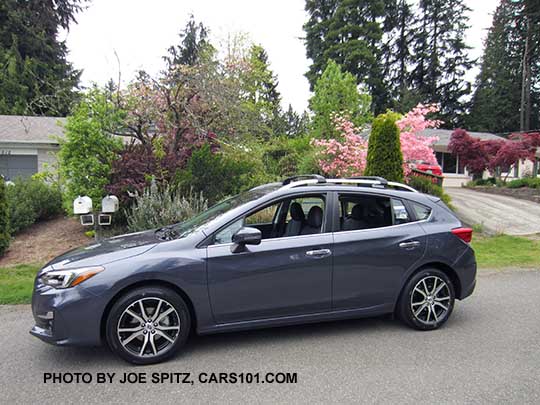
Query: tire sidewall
x=147, y=292
x=405, y=310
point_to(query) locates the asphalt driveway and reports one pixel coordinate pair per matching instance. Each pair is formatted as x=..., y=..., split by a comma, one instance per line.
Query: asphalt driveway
x=488, y=352
x=497, y=213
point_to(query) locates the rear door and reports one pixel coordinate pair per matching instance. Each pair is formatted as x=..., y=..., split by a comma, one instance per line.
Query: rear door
x=372, y=255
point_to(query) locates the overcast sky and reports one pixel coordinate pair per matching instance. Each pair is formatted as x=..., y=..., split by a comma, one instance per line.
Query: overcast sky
x=140, y=31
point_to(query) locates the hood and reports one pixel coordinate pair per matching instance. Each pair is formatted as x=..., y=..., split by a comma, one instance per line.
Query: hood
x=107, y=250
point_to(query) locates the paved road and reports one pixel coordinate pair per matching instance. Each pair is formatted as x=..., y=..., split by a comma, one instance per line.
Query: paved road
x=488, y=352
x=497, y=213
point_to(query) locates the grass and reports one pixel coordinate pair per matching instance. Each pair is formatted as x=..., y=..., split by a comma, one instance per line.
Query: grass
x=16, y=283
x=506, y=251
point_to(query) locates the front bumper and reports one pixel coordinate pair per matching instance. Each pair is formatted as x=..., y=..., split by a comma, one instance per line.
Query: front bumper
x=70, y=317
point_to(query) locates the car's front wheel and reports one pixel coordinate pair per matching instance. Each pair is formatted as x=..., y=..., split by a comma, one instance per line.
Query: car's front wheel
x=427, y=300
x=148, y=325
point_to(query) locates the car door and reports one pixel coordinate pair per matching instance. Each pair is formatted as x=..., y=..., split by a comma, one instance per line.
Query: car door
x=372, y=255
x=282, y=276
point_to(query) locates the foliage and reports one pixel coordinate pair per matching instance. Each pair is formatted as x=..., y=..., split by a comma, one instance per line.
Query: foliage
x=32, y=200
x=350, y=33
x=490, y=181
x=89, y=148
x=384, y=156
x=35, y=75
x=531, y=182
x=336, y=93
x=194, y=45
x=156, y=208
x=441, y=60
x=343, y=158
x=216, y=175
x=494, y=155
x=17, y=283
x=424, y=185
x=496, y=104
x=4, y=218
x=414, y=146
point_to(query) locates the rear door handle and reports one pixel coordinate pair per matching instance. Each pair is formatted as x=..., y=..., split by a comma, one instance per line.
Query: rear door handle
x=409, y=245
x=319, y=253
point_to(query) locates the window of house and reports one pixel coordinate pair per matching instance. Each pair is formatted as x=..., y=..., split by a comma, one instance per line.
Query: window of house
x=449, y=163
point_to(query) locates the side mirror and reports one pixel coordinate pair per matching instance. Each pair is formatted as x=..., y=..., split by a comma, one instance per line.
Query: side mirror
x=245, y=236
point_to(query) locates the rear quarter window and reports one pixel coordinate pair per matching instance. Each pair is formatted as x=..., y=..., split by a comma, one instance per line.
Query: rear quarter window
x=421, y=212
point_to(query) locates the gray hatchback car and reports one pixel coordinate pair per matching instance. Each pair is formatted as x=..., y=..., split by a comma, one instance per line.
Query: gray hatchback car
x=308, y=249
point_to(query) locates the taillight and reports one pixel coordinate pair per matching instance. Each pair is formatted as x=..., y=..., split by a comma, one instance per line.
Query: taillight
x=465, y=234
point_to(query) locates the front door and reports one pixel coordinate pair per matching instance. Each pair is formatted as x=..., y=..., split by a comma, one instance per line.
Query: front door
x=283, y=276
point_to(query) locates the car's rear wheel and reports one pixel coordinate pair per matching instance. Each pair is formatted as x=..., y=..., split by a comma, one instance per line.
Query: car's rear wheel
x=148, y=325
x=427, y=300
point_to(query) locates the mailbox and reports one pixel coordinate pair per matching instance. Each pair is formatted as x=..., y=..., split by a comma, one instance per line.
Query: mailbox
x=82, y=205
x=109, y=204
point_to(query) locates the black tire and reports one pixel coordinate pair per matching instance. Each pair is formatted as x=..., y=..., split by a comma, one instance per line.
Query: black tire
x=412, y=296
x=158, y=340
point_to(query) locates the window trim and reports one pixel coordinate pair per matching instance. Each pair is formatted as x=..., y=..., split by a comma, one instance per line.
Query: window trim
x=406, y=202
x=208, y=241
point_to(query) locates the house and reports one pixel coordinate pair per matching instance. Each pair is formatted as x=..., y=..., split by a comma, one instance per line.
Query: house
x=28, y=145
x=455, y=174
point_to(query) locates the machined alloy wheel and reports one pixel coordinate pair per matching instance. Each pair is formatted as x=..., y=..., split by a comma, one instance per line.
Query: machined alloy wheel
x=148, y=325
x=430, y=300
x=427, y=300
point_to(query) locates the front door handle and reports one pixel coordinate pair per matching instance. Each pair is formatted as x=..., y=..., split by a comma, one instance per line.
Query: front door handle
x=319, y=253
x=409, y=245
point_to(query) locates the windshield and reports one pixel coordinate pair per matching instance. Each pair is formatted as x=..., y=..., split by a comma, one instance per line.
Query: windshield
x=204, y=218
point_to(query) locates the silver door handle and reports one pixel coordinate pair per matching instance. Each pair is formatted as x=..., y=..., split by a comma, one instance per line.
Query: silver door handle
x=319, y=253
x=409, y=245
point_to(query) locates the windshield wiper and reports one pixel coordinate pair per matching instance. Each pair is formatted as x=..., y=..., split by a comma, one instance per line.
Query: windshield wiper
x=167, y=233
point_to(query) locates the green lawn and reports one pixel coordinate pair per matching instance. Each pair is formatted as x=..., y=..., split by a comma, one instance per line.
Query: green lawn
x=506, y=251
x=16, y=283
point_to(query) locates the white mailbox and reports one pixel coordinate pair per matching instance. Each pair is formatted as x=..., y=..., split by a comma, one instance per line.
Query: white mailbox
x=82, y=205
x=109, y=204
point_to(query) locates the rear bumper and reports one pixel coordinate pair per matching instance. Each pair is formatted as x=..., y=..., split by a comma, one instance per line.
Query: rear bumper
x=465, y=268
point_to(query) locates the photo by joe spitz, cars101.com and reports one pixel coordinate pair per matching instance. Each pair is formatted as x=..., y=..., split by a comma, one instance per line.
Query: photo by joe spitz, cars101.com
x=308, y=249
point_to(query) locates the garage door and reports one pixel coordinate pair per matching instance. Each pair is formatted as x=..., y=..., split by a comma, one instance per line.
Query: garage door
x=13, y=166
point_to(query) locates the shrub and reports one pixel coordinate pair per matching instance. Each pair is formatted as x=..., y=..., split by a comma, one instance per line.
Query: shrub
x=155, y=208
x=218, y=175
x=530, y=182
x=31, y=200
x=88, y=151
x=384, y=156
x=424, y=185
x=4, y=218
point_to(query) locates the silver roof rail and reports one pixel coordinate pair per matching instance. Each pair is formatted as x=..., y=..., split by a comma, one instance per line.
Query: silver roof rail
x=375, y=182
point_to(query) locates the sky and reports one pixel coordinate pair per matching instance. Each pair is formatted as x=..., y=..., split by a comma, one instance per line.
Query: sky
x=139, y=32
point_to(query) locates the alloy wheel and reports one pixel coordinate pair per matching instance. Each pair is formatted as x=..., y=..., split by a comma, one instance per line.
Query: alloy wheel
x=148, y=327
x=430, y=300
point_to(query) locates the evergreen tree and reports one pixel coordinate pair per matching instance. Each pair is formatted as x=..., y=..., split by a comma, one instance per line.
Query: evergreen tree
x=336, y=93
x=35, y=76
x=349, y=32
x=397, y=53
x=295, y=125
x=384, y=156
x=496, y=104
x=441, y=57
x=194, y=45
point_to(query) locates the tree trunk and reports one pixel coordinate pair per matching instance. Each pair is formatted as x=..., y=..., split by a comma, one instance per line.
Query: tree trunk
x=525, y=111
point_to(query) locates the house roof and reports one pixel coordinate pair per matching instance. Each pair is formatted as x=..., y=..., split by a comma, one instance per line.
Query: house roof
x=30, y=130
x=444, y=135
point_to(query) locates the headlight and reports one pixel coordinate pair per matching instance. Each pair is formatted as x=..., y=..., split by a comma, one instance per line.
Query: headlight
x=69, y=278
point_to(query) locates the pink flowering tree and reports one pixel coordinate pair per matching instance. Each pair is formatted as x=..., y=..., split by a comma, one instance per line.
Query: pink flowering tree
x=414, y=146
x=346, y=157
